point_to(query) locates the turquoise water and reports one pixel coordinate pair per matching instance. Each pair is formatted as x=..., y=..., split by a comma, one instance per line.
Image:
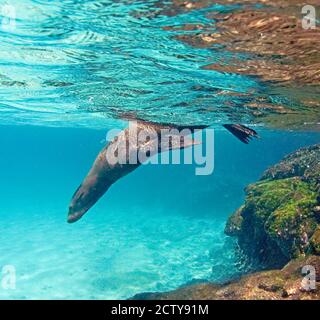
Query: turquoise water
x=67, y=70
x=156, y=229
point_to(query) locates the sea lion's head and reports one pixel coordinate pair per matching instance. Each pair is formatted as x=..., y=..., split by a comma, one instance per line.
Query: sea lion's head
x=88, y=193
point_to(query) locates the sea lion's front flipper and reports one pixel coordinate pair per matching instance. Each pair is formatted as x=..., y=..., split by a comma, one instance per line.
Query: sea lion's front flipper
x=243, y=133
x=105, y=171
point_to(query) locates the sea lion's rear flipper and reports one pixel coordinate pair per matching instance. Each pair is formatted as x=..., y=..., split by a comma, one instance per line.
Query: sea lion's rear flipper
x=243, y=133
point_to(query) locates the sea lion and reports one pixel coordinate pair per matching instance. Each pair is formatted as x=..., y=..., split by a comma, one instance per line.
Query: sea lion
x=244, y=134
x=125, y=147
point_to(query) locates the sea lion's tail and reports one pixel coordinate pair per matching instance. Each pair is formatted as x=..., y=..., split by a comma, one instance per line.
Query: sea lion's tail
x=242, y=132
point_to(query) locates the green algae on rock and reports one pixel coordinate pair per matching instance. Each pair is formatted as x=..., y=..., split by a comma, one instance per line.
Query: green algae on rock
x=278, y=228
x=234, y=223
x=304, y=163
x=280, y=218
x=315, y=242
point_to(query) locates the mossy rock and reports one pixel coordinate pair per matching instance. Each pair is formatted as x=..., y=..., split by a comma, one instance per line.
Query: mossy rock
x=281, y=214
x=234, y=223
x=282, y=209
x=292, y=222
x=303, y=163
x=315, y=242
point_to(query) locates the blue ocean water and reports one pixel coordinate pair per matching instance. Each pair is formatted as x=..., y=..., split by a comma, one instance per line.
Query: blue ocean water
x=156, y=229
x=68, y=70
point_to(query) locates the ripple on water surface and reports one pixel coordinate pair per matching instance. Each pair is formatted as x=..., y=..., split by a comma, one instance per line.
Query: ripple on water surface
x=71, y=63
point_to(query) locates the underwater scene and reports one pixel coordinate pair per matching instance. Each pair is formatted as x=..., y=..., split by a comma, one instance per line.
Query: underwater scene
x=102, y=102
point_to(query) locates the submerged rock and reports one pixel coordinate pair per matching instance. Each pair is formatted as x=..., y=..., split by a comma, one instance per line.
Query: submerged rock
x=278, y=228
x=286, y=284
x=304, y=163
x=280, y=218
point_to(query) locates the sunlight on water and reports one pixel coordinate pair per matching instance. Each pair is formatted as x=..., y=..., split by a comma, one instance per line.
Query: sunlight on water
x=78, y=63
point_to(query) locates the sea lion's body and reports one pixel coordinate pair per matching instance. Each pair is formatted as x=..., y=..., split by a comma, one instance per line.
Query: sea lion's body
x=106, y=172
x=107, y=168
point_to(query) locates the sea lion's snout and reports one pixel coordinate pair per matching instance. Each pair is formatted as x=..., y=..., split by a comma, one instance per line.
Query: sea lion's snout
x=78, y=206
x=83, y=199
x=88, y=193
x=74, y=214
